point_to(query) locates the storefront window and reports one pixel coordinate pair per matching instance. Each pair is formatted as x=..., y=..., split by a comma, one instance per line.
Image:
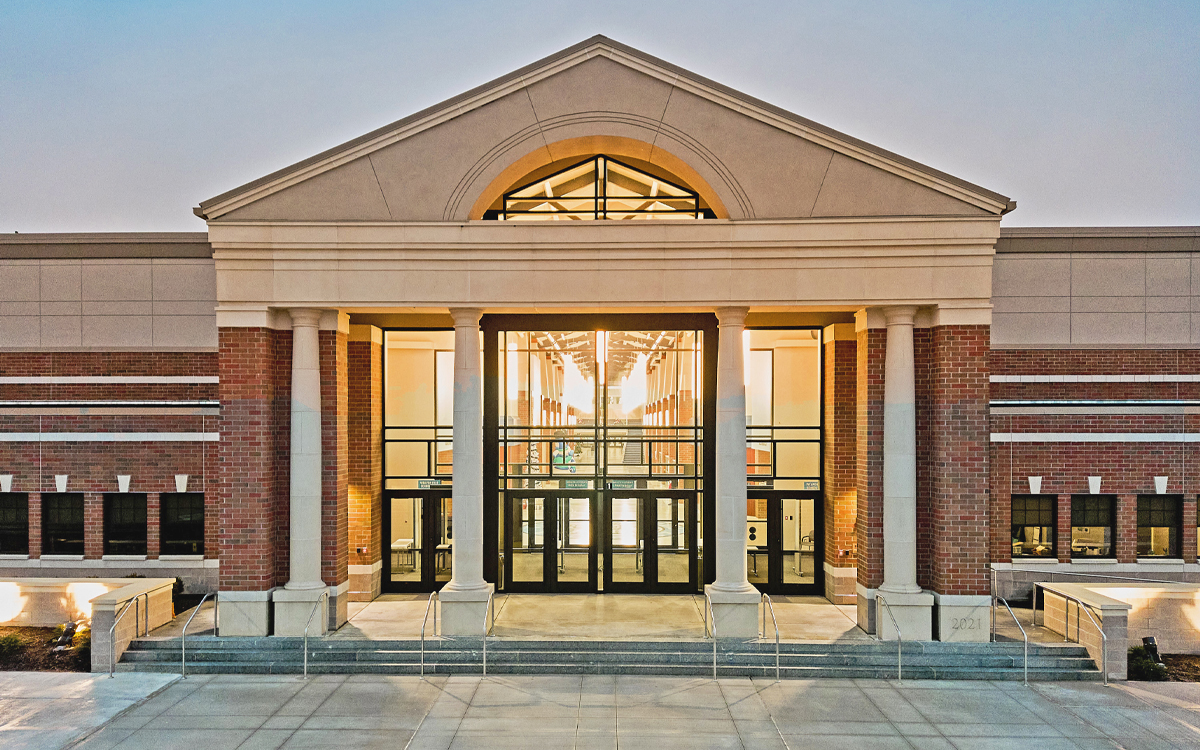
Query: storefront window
x=783, y=408
x=418, y=416
x=1158, y=525
x=1093, y=525
x=1033, y=525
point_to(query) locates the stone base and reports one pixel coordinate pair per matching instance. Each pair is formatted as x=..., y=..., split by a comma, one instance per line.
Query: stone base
x=245, y=613
x=840, y=584
x=366, y=582
x=963, y=618
x=293, y=609
x=913, y=614
x=735, y=614
x=865, y=599
x=463, y=612
x=339, y=605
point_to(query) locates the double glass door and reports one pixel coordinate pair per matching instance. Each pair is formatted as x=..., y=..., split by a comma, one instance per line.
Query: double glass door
x=784, y=550
x=418, y=540
x=561, y=541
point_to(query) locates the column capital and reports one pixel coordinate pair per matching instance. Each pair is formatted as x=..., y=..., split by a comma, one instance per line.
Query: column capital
x=466, y=316
x=732, y=316
x=305, y=317
x=900, y=314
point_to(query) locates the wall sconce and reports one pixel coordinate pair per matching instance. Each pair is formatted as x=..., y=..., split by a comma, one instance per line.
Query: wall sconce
x=60, y=482
x=1035, y=485
x=1094, y=485
x=181, y=482
x=1160, y=485
x=122, y=483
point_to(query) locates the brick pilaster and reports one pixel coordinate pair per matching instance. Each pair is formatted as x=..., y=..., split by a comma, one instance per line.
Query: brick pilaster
x=334, y=457
x=249, y=428
x=93, y=525
x=841, y=435
x=1064, y=528
x=35, y=525
x=1187, y=539
x=871, y=348
x=1126, y=528
x=365, y=424
x=959, y=453
x=153, y=525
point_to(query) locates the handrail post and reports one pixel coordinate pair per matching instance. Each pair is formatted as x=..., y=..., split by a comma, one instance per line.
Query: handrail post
x=768, y=604
x=487, y=607
x=183, y=638
x=112, y=641
x=899, y=637
x=708, y=611
x=1023, y=633
x=1082, y=608
x=324, y=595
x=433, y=597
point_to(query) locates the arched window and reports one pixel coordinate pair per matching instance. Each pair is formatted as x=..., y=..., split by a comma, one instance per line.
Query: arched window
x=600, y=188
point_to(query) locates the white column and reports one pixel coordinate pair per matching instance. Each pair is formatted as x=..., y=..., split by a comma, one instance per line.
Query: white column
x=911, y=607
x=735, y=600
x=304, y=569
x=464, y=598
x=295, y=602
x=899, y=455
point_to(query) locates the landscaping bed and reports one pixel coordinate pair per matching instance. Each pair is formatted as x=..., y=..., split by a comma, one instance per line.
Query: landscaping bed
x=28, y=649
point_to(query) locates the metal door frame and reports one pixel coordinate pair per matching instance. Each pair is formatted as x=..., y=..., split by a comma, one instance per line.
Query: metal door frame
x=649, y=535
x=775, y=584
x=430, y=502
x=551, y=544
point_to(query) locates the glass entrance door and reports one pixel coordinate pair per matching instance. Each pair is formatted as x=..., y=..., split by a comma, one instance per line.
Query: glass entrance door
x=418, y=540
x=650, y=541
x=550, y=545
x=784, y=550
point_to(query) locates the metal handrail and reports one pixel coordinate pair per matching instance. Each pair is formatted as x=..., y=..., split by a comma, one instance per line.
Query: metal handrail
x=490, y=606
x=1081, y=606
x=432, y=598
x=112, y=641
x=763, y=633
x=324, y=595
x=183, y=638
x=707, y=611
x=899, y=637
x=1004, y=601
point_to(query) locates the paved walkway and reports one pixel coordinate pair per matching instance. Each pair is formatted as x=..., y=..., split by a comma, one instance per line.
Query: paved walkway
x=51, y=709
x=583, y=712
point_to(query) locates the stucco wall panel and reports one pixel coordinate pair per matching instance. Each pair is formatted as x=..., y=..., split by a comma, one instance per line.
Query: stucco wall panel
x=599, y=85
x=853, y=188
x=349, y=192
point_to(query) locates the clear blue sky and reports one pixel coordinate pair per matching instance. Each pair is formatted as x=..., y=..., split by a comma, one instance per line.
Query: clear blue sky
x=122, y=116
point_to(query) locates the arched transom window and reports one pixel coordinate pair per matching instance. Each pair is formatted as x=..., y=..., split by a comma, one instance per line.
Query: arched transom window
x=600, y=188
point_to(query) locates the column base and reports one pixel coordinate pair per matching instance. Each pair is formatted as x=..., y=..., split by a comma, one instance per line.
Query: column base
x=293, y=609
x=245, y=613
x=366, y=581
x=463, y=612
x=735, y=613
x=962, y=618
x=339, y=605
x=913, y=614
x=839, y=584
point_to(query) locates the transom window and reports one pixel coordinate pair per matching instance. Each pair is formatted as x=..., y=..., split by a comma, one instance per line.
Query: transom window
x=600, y=188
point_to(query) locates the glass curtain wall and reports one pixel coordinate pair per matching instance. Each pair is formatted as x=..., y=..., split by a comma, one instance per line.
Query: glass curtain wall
x=783, y=457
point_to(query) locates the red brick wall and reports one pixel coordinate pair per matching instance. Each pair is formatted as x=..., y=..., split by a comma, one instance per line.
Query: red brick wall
x=923, y=374
x=249, y=459
x=869, y=455
x=365, y=424
x=841, y=435
x=282, y=367
x=958, y=459
x=335, y=546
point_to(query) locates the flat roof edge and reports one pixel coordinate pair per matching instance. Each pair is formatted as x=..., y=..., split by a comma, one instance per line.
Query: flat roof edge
x=48, y=246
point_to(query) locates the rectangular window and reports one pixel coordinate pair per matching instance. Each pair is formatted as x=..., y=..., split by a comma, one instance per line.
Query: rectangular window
x=181, y=517
x=1158, y=525
x=1033, y=525
x=14, y=523
x=125, y=523
x=1093, y=525
x=62, y=523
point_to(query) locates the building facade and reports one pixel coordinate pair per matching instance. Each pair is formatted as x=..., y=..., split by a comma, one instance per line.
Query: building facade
x=601, y=325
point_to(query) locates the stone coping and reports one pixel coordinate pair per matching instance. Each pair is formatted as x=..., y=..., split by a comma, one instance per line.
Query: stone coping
x=1090, y=593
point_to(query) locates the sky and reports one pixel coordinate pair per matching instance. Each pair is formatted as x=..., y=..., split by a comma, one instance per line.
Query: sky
x=124, y=115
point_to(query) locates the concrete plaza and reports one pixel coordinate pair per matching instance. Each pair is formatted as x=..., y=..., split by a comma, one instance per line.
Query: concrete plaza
x=564, y=711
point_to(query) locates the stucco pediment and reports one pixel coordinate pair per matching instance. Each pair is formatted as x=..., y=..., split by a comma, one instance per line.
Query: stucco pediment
x=748, y=159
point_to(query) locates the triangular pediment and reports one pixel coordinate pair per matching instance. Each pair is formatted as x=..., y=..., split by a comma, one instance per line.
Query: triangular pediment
x=746, y=159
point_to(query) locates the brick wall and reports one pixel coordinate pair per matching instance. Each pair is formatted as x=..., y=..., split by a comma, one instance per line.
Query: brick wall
x=923, y=374
x=841, y=434
x=365, y=430
x=869, y=455
x=958, y=459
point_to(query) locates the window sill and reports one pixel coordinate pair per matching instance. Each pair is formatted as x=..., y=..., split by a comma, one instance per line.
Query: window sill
x=1090, y=560
x=1035, y=561
x=78, y=558
x=14, y=557
x=125, y=558
x=1160, y=560
x=181, y=558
